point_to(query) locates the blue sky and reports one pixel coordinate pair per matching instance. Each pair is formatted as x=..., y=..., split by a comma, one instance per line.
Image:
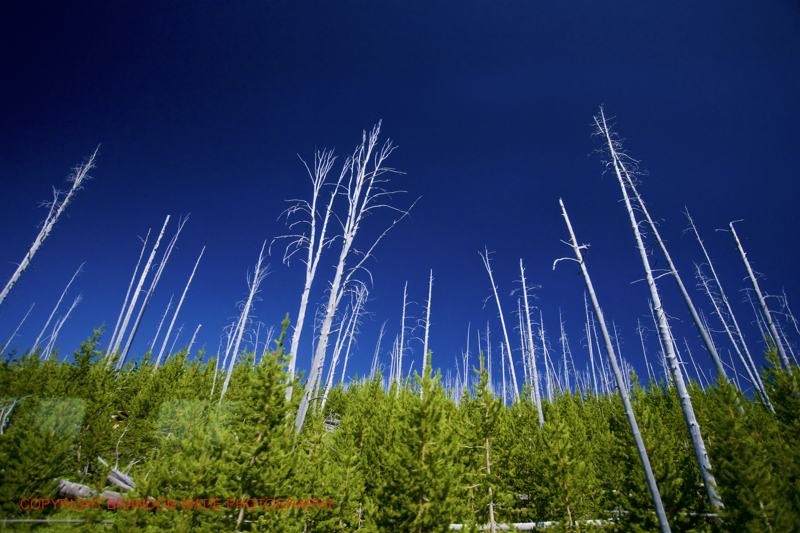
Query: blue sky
x=204, y=110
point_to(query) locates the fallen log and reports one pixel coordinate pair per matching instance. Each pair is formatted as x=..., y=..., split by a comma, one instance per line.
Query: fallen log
x=74, y=491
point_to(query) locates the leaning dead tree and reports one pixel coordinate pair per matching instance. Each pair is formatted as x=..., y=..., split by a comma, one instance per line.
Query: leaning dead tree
x=60, y=202
x=617, y=162
x=58, y=304
x=776, y=338
x=149, y=294
x=362, y=185
x=485, y=257
x=623, y=391
x=712, y=351
x=748, y=363
x=177, y=309
x=116, y=339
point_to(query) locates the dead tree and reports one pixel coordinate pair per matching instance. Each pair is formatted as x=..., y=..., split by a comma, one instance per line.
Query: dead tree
x=60, y=202
x=623, y=392
x=616, y=162
x=363, y=186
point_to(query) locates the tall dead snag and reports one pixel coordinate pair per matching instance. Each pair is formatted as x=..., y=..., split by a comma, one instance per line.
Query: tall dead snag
x=530, y=343
x=428, y=324
x=347, y=330
x=117, y=341
x=6, y=345
x=259, y=273
x=485, y=257
x=616, y=161
x=149, y=294
x=58, y=304
x=748, y=364
x=177, y=309
x=402, y=338
x=623, y=391
x=776, y=338
x=712, y=351
x=752, y=372
x=362, y=185
x=313, y=240
x=127, y=295
x=60, y=202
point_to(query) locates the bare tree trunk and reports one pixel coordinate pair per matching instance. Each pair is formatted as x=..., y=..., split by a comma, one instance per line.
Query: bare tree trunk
x=485, y=258
x=127, y=294
x=550, y=385
x=564, y=349
x=193, y=338
x=323, y=161
x=75, y=275
x=375, y=360
x=259, y=273
x=591, y=350
x=161, y=323
x=752, y=372
x=637, y=437
x=52, y=342
x=58, y=206
x=361, y=299
x=149, y=294
x=686, y=403
x=503, y=362
x=712, y=351
x=767, y=316
x=177, y=309
x=363, y=190
x=124, y=327
x=527, y=351
x=427, y=324
x=530, y=342
x=640, y=330
x=3, y=349
x=402, y=336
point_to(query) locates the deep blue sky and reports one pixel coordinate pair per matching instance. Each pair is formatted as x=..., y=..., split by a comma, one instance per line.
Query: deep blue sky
x=203, y=109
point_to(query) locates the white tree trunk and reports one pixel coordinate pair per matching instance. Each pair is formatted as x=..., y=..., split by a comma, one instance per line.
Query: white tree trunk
x=127, y=294
x=402, y=335
x=752, y=373
x=530, y=342
x=75, y=275
x=161, y=323
x=591, y=350
x=259, y=273
x=363, y=190
x=193, y=338
x=80, y=175
x=712, y=351
x=427, y=325
x=149, y=294
x=686, y=403
x=776, y=338
x=637, y=437
x=323, y=161
x=124, y=326
x=564, y=349
x=485, y=258
x=59, y=323
x=177, y=309
x=3, y=349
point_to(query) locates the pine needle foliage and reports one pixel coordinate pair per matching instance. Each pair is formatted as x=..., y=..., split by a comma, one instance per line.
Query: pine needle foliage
x=403, y=456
